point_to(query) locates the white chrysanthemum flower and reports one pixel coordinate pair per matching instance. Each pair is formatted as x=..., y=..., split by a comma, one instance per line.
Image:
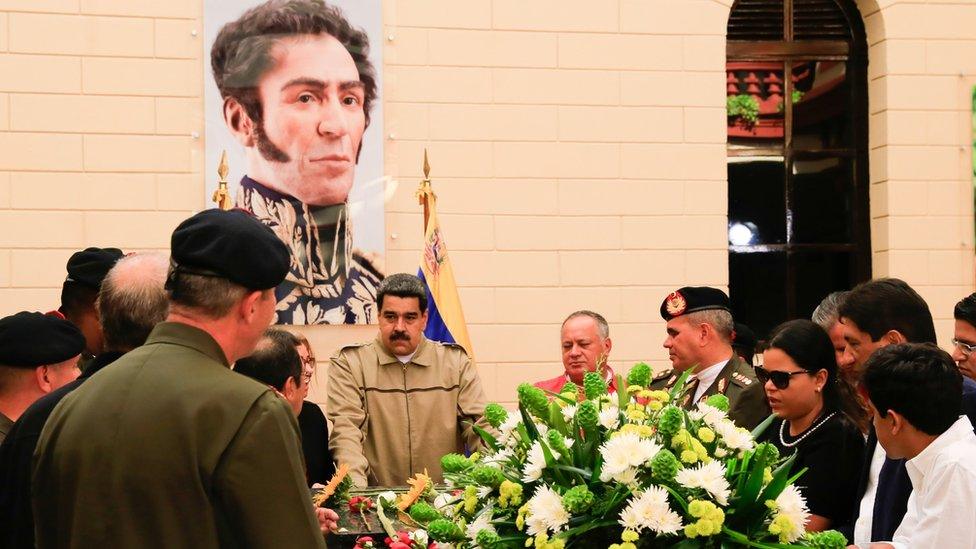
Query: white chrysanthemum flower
x=650, y=510
x=610, y=417
x=507, y=433
x=499, y=458
x=545, y=512
x=535, y=462
x=625, y=451
x=482, y=522
x=709, y=477
x=569, y=412
x=733, y=436
x=710, y=414
x=484, y=491
x=792, y=505
x=444, y=502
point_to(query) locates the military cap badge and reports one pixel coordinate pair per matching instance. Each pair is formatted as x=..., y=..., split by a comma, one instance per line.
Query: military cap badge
x=675, y=304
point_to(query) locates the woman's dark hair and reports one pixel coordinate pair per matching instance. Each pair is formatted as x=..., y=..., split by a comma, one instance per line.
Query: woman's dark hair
x=810, y=348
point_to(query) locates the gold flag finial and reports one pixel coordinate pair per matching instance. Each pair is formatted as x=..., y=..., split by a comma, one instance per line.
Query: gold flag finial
x=426, y=166
x=425, y=193
x=221, y=196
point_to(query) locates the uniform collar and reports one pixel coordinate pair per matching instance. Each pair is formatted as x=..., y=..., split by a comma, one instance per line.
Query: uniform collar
x=424, y=356
x=177, y=333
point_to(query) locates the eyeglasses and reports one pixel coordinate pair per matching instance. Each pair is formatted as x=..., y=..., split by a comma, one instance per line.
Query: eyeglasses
x=308, y=368
x=780, y=379
x=966, y=348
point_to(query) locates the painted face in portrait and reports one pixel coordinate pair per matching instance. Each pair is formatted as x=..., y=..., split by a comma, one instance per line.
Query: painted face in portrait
x=307, y=144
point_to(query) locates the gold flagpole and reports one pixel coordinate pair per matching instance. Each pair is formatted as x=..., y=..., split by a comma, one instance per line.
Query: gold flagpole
x=221, y=197
x=425, y=192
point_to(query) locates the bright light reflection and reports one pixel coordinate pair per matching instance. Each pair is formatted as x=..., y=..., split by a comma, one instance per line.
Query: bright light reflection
x=740, y=234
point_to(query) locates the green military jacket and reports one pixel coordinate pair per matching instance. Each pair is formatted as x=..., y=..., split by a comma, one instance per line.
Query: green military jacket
x=748, y=406
x=168, y=447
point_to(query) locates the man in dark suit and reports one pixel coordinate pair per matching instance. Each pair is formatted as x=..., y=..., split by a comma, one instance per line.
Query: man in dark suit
x=874, y=315
x=700, y=328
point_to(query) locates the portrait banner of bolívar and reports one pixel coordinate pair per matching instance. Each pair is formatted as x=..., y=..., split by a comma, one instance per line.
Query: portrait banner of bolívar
x=292, y=97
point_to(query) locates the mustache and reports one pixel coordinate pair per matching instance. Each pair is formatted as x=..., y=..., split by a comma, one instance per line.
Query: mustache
x=399, y=336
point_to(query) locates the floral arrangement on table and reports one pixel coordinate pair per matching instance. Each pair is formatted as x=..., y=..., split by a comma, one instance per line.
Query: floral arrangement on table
x=587, y=468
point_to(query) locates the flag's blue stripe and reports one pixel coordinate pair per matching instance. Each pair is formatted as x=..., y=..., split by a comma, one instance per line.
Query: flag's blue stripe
x=436, y=329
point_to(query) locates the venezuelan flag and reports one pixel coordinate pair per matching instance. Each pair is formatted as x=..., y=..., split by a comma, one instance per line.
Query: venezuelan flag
x=445, y=319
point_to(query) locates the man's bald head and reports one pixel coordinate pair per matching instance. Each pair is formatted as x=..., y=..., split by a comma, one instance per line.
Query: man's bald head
x=133, y=300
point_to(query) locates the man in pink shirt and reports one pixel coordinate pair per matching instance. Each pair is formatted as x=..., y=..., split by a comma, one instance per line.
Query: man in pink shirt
x=585, y=339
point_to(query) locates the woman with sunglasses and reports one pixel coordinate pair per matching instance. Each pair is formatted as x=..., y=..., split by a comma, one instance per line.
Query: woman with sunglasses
x=817, y=418
x=315, y=430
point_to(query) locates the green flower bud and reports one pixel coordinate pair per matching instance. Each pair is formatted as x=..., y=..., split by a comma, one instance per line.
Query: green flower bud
x=570, y=387
x=495, y=414
x=455, y=463
x=534, y=399
x=593, y=385
x=640, y=374
x=423, y=512
x=664, y=466
x=718, y=401
x=486, y=539
x=578, y=499
x=487, y=476
x=587, y=416
x=557, y=442
x=766, y=453
x=828, y=539
x=445, y=531
x=670, y=421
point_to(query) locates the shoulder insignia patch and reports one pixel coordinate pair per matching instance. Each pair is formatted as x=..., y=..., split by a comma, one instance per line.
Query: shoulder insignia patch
x=741, y=379
x=663, y=375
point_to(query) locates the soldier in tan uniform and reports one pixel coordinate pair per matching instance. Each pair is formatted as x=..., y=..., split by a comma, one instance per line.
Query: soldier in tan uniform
x=170, y=448
x=700, y=332
x=401, y=402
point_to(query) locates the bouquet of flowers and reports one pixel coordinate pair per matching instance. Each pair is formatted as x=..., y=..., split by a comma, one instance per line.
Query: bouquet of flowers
x=587, y=468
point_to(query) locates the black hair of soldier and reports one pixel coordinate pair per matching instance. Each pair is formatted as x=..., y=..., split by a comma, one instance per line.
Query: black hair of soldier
x=919, y=381
x=809, y=346
x=272, y=364
x=402, y=285
x=885, y=304
x=965, y=310
x=77, y=299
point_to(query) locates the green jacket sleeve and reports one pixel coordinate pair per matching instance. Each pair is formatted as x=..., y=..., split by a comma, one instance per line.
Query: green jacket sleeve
x=751, y=406
x=259, y=483
x=347, y=410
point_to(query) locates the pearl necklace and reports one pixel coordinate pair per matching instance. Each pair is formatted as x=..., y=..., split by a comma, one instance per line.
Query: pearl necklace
x=804, y=435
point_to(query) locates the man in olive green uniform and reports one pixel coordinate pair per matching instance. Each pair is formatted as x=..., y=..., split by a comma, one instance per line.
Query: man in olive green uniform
x=700, y=333
x=169, y=447
x=402, y=401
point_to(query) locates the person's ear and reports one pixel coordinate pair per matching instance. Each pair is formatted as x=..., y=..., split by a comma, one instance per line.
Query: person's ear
x=250, y=304
x=894, y=337
x=43, y=378
x=239, y=122
x=290, y=387
x=609, y=345
x=898, y=422
x=423, y=321
x=820, y=378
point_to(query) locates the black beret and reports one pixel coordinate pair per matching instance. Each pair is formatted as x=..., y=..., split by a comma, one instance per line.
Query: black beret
x=744, y=337
x=691, y=299
x=230, y=244
x=89, y=266
x=29, y=340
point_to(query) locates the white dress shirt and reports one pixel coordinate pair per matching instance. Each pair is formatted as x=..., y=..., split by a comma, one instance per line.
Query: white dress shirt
x=942, y=508
x=706, y=377
x=865, y=518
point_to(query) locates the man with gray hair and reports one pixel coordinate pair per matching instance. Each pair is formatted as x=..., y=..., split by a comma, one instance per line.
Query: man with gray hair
x=401, y=401
x=585, y=341
x=128, y=306
x=700, y=328
x=827, y=316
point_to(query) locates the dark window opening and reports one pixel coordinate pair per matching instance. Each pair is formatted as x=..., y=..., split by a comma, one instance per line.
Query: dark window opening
x=796, y=81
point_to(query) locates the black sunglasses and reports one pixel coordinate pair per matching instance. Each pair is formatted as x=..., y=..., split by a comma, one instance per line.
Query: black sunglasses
x=780, y=379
